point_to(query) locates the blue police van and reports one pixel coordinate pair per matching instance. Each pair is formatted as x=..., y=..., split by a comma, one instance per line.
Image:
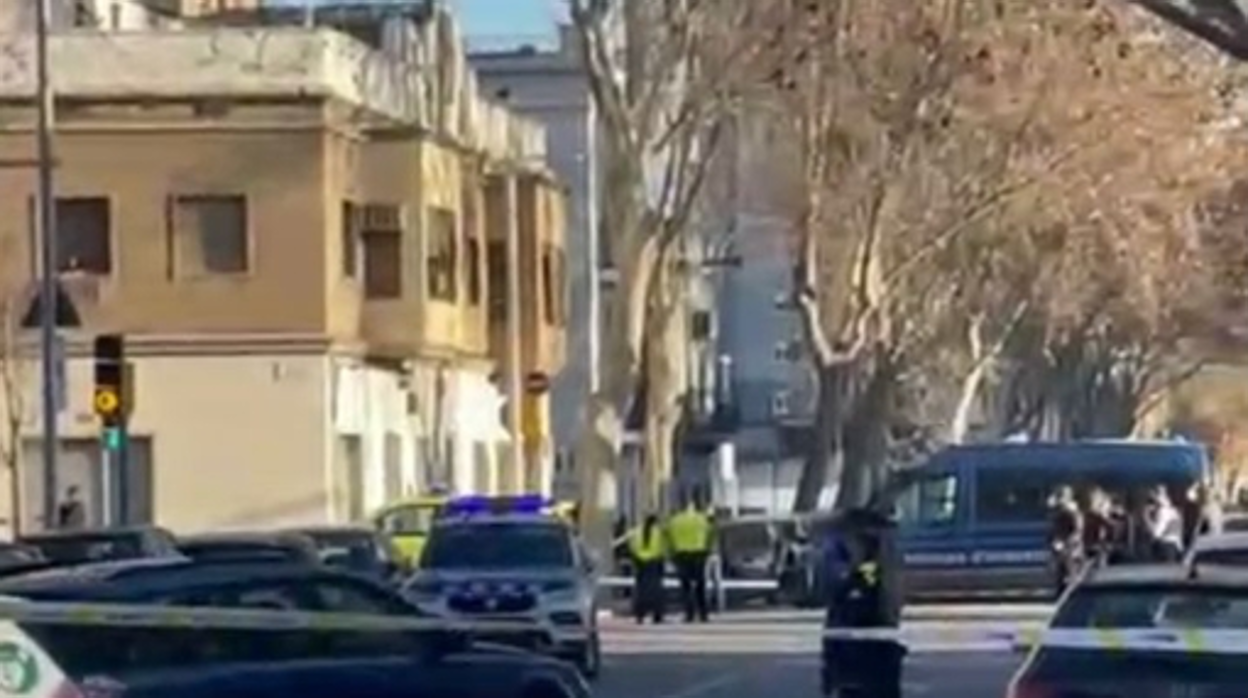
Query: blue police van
x=973, y=520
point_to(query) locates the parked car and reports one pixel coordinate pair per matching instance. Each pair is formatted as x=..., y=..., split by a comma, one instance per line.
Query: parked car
x=1219, y=549
x=101, y=544
x=281, y=547
x=1171, y=600
x=421, y=663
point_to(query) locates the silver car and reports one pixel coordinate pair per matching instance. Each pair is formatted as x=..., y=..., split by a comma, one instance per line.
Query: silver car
x=527, y=569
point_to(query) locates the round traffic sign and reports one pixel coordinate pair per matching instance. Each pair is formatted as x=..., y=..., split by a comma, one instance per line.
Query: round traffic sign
x=106, y=401
x=537, y=383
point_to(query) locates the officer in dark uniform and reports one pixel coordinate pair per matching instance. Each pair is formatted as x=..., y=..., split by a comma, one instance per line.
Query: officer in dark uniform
x=863, y=593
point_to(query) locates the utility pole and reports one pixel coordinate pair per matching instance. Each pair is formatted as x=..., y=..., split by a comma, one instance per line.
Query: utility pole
x=46, y=226
x=594, y=256
x=515, y=380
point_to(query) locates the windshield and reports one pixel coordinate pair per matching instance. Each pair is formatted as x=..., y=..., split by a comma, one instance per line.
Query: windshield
x=1155, y=607
x=231, y=551
x=88, y=548
x=414, y=519
x=1229, y=557
x=501, y=545
x=740, y=539
x=359, y=550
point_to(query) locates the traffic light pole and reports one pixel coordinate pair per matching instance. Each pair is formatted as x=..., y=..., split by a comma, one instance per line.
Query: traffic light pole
x=47, y=265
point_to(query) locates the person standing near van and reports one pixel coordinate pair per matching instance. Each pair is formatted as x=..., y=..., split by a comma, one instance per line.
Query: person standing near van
x=1165, y=527
x=647, y=544
x=690, y=534
x=1065, y=536
x=1098, y=527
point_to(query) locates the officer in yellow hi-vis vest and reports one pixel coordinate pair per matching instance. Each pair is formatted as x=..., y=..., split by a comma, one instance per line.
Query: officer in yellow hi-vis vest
x=690, y=535
x=647, y=545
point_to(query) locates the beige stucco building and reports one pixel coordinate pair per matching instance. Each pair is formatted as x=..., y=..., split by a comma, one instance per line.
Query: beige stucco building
x=306, y=241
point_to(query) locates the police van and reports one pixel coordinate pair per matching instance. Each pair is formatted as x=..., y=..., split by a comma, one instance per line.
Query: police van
x=973, y=520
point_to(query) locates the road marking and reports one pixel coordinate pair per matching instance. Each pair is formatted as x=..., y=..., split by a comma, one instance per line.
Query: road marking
x=703, y=687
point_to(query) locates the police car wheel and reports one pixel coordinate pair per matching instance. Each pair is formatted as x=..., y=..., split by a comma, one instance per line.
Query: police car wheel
x=589, y=657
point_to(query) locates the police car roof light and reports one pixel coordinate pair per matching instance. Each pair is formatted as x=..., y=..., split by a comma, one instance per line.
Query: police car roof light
x=478, y=504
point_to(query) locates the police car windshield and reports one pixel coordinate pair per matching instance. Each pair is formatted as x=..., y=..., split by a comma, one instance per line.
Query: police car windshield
x=506, y=545
x=1161, y=606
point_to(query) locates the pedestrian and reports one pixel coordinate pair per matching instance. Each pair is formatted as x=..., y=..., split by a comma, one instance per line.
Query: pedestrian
x=647, y=546
x=689, y=533
x=1065, y=537
x=1165, y=527
x=1098, y=527
x=71, y=514
x=859, y=599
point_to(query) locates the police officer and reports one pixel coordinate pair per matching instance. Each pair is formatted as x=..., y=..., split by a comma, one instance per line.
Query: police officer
x=647, y=546
x=689, y=532
x=861, y=596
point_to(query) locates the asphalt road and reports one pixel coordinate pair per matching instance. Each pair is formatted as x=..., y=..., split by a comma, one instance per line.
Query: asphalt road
x=774, y=655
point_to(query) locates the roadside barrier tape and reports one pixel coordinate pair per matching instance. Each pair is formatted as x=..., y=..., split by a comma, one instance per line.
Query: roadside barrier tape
x=1003, y=637
x=207, y=618
x=1190, y=640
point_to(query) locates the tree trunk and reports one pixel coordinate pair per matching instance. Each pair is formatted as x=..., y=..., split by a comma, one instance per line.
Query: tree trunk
x=666, y=379
x=866, y=438
x=825, y=437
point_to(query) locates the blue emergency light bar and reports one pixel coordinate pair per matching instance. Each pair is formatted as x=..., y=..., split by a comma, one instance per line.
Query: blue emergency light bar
x=476, y=505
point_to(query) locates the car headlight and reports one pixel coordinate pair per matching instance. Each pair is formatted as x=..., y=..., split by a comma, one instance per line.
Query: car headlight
x=561, y=586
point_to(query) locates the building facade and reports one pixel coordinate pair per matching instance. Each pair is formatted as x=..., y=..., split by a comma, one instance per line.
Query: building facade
x=550, y=86
x=299, y=234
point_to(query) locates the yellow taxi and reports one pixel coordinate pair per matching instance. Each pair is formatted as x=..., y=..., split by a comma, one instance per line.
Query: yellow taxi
x=407, y=523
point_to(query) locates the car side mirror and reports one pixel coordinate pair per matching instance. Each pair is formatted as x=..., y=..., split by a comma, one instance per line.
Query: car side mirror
x=591, y=562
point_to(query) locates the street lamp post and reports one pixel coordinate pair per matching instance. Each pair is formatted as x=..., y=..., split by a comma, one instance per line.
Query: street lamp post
x=46, y=228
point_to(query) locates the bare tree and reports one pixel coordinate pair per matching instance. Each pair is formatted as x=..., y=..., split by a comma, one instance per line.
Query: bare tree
x=660, y=76
x=14, y=408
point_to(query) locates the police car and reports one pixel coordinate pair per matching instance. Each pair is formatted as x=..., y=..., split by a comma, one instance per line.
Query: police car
x=510, y=559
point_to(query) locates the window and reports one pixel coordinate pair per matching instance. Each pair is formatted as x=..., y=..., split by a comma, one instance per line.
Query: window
x=929, y=502
x=700, y=325
x=350, y=234
x=472, y=254
x=443, y=255
x=343, y=596
x=209, y=235
x=380, y=229
x=84, y=235
x=498, y=545
x=383, y=264
x=1007, y=496
x=496, y=277
x=84, y=17
x=409, y=520
x=350, y=596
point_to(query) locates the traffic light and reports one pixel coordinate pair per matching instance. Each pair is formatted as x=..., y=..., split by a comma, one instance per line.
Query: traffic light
x=109, y=400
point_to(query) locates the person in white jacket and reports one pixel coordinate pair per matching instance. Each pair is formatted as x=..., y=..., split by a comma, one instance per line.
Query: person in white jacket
x=1165, y=527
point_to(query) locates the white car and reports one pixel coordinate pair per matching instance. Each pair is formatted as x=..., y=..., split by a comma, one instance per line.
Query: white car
x=1227, y=549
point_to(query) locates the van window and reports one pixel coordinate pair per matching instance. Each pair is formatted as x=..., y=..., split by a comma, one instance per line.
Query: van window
x=1010, y=496
x=929, y=502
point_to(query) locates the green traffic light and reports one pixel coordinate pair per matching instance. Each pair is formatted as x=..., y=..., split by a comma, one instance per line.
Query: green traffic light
x=112, y=438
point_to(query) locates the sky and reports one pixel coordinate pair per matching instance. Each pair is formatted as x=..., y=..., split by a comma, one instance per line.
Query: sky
x=500, y=19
